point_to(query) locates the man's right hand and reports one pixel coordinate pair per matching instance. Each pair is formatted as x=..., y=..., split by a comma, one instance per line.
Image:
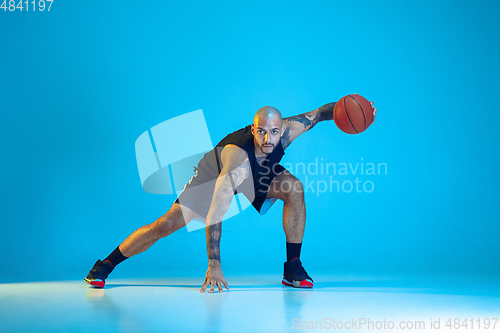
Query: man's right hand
x=214, y=277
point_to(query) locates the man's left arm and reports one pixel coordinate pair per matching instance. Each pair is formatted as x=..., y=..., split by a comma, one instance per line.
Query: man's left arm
x=297, y=125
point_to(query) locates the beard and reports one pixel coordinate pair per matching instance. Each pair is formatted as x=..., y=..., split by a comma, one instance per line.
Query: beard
x=270, y=146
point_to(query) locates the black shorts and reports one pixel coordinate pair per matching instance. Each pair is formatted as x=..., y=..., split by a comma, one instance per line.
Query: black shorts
x=198, y=192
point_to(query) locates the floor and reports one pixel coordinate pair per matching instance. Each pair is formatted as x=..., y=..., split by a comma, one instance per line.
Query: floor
x=254, y=304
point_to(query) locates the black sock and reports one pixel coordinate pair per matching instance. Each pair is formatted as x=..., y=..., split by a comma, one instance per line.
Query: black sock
x=292, y=251
x=115, y=257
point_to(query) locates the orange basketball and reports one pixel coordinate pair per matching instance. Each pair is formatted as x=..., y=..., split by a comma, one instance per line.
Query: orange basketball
x=353, y=114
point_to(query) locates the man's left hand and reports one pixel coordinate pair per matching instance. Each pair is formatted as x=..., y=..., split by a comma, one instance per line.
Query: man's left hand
x=374, y=111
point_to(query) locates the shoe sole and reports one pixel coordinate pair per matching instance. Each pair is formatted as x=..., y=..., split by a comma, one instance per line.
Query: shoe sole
x=298, y=284
x=95, y=283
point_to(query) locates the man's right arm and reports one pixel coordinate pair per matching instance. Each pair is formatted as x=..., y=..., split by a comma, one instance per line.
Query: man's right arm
x=236, y=168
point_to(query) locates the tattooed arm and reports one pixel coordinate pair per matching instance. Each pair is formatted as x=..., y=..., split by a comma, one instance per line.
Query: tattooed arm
x=297, y=125
x=235, y=168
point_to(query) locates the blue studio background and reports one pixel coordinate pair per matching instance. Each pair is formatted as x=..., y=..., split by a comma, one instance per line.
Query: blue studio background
x=80, y=83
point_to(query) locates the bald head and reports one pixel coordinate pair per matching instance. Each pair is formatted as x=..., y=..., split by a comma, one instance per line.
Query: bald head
x=266, y=114
x=267, y=129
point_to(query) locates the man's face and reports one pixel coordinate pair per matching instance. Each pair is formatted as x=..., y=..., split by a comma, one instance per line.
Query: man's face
x=267, y=133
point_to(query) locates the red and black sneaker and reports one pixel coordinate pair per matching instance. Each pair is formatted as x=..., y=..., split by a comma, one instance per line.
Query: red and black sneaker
x=99, y=273
x=295, y=275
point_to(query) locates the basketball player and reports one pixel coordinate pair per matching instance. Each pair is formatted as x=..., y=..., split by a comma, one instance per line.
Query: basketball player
x=245, y=161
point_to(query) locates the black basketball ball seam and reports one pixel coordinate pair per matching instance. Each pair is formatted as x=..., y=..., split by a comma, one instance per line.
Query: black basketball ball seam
x=347, y=114
x=364, y=116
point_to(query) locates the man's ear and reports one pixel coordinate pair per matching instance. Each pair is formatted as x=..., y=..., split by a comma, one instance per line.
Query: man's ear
x=283, y=129
x=252, y=129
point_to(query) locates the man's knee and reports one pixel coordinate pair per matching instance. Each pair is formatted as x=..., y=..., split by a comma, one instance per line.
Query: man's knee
x=293, y=189
x=170, y=222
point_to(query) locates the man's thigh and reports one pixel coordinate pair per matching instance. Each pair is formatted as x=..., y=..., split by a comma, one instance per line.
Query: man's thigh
x=283, y=185
x=186, y=213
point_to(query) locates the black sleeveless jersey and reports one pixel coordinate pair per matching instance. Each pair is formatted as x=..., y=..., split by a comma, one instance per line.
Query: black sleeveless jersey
x=262, y=175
